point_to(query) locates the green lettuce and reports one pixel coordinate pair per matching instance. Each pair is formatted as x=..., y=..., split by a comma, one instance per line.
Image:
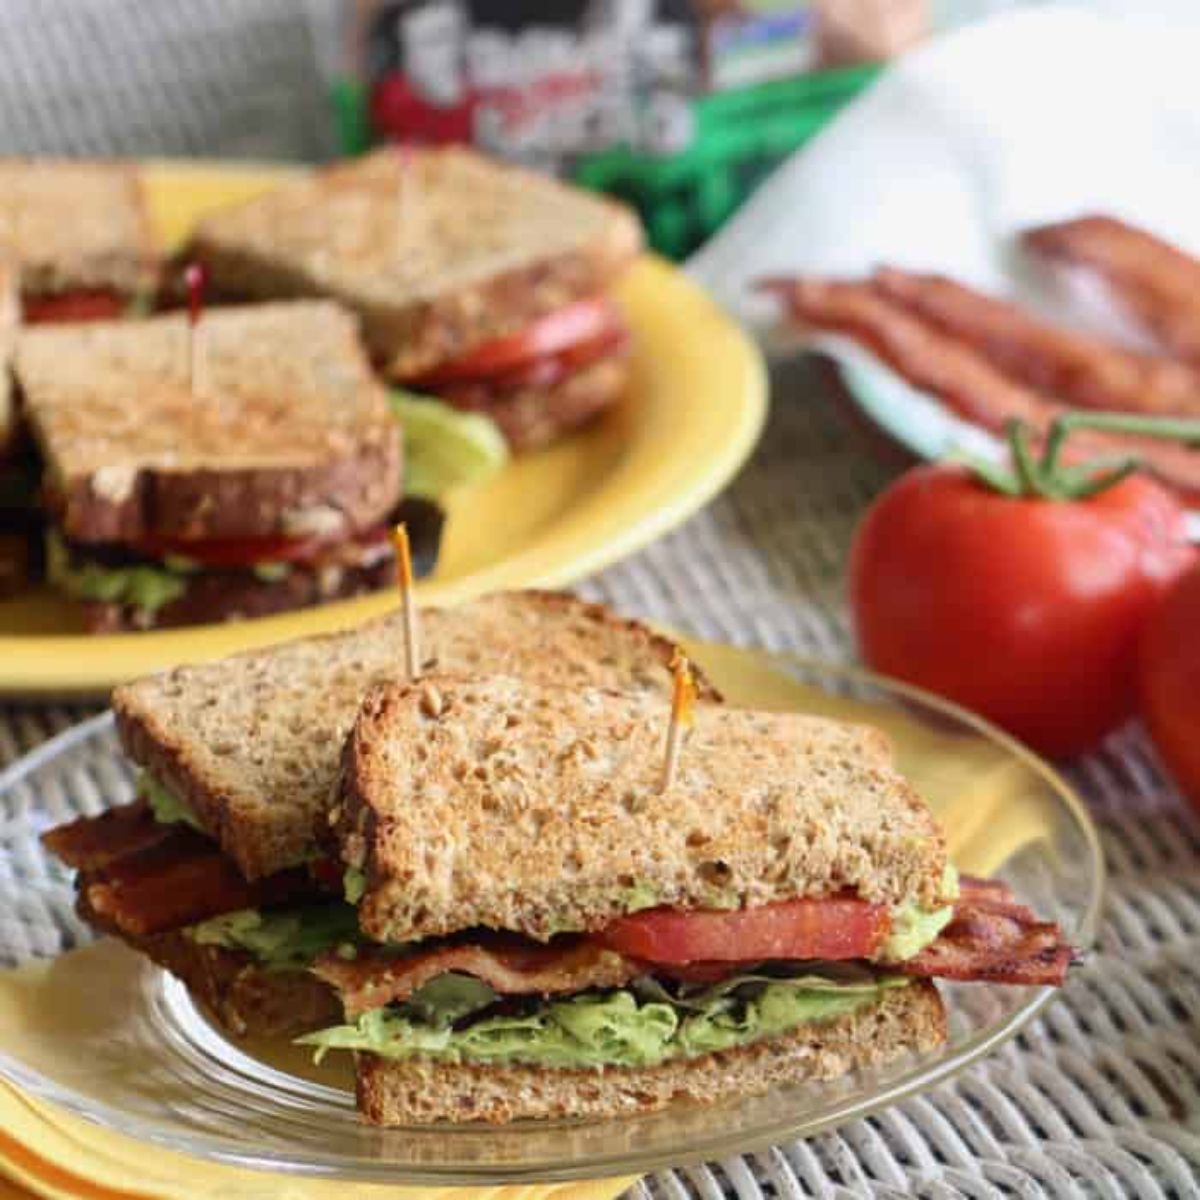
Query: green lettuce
x=282, y=941
x=642, y=1025
x=139, y=586
x=445, y=448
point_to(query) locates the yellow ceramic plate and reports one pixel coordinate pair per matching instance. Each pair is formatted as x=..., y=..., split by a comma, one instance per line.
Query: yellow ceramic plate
x=691, y=418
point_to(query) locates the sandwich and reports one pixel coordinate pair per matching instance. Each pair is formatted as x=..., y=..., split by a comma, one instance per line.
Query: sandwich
x=214, y=870
x=19, y=517
x=479, y=283
x=264, y=486
x=80, y=235
x=550, y=932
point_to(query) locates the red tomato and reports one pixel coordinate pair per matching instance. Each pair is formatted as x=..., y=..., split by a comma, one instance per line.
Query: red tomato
x=1169, y=682
x=578, y=324
x=831, y=928
x=1027, y=611
x=242, y=552
x=99, y=305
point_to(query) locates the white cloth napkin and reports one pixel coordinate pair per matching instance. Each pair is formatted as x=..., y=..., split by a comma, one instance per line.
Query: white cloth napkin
x=1030, y=116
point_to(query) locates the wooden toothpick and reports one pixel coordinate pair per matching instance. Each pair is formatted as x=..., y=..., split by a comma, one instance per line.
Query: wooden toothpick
x=404, y=581
x=194, y=277
x=406, y=198
x=683, y=703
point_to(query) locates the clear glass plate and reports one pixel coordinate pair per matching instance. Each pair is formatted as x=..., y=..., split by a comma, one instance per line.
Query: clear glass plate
x=115, y=1040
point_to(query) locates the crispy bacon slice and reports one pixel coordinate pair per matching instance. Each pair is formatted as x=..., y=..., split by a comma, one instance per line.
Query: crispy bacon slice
x=994, y=939
x=511, y=966
x=1071, y=367
x=961, y=378
x=182, y=879
x=91, y=843
x=1157, y=283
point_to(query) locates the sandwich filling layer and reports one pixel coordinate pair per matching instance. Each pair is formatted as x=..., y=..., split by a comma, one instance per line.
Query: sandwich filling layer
x=460, y=1019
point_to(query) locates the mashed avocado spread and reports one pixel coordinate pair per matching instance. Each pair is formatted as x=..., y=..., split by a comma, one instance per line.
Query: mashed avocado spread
x=168, y=809
x=282, y=941
x=638, y=1026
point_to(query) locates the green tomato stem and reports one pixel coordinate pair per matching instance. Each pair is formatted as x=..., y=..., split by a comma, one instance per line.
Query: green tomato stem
x=1046, y=477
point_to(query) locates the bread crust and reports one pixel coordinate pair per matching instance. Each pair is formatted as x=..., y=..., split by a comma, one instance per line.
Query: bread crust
x=80, y=225
x=252, y=743
x=493, y=247
x=293, y=434
x=422, y=1091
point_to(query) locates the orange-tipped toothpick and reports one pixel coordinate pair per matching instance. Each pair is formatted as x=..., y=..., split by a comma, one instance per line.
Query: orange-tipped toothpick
x=194, y=277
x=683, y=704
x=404, y=581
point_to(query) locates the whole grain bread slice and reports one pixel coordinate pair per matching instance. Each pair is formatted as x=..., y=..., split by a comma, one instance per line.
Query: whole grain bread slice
x=252, y=743
x=420, y=1091
x=289, y=433
x=437, y=252
x=76, y=225
x=499, y=803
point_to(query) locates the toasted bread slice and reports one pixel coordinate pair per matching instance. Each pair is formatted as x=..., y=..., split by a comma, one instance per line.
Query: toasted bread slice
x=495, y=802
x=252, y=743
x=421, y=1091
x=290, y=435
x=76, y=225
x=437, y=252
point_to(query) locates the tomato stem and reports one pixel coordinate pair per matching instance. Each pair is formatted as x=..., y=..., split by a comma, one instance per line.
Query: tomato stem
x=1047, y=477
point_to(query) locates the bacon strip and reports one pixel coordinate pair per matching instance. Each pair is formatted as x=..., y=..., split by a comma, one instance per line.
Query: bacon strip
x=510, y=966
x=960, y=377
x=994, y=939
x=93, y=842
x=1157, y=283
x=182, y=879
x=1071, y=367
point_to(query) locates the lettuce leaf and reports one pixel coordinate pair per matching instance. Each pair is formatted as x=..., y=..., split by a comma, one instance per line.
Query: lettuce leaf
x=643, y=1025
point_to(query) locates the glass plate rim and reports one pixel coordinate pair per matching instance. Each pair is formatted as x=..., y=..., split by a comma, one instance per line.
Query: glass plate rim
x=919, y=1078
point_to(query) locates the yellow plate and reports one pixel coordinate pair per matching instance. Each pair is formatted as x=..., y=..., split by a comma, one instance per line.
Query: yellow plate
x=692, y=416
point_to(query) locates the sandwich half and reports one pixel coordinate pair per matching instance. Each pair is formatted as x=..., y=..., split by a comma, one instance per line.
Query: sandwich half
x=80, y=235
x=267, y=488
x=215, y=871
x=479, y=283
x=547, y=933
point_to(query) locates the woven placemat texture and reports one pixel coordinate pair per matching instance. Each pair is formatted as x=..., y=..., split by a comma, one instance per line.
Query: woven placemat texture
x=1101, y=1097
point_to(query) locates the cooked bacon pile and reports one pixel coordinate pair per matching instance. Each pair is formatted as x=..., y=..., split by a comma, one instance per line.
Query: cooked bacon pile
x=138, y=876
x=992, y=362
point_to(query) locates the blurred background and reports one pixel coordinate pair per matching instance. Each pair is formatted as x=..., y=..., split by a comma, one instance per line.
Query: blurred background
x=681, y=106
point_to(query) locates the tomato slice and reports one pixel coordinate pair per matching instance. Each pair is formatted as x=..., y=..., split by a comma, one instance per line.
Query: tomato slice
x=578, y=324
x=98, y=305
x=834, y=927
